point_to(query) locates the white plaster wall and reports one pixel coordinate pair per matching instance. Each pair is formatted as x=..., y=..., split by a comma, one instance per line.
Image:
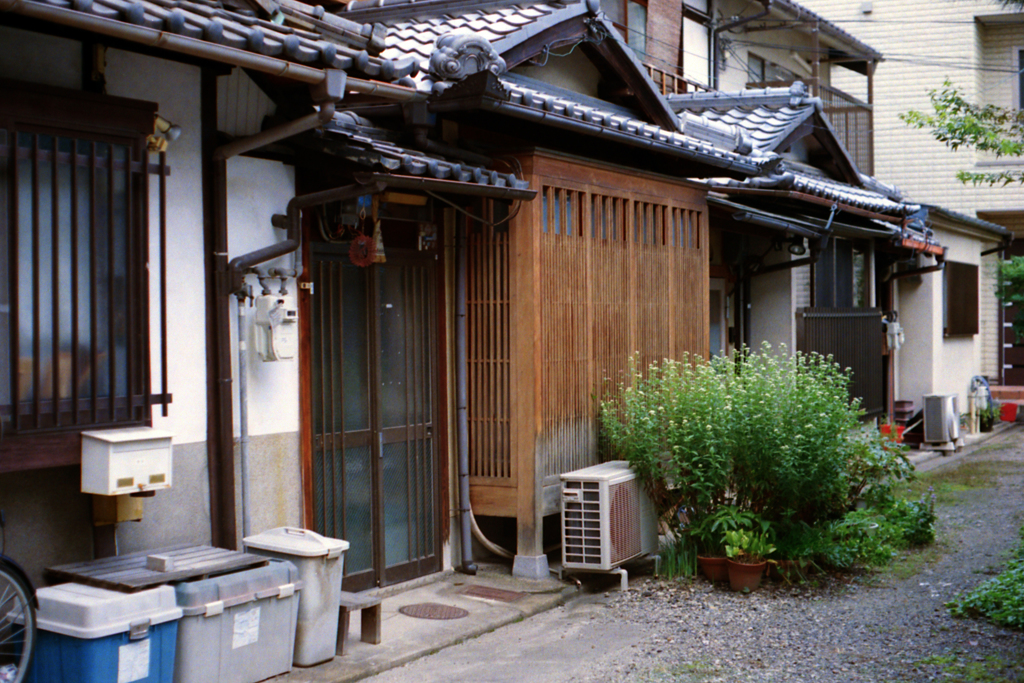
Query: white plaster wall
x=258, y=189
x=771, y=312
x=929, y=362
x=176, y=91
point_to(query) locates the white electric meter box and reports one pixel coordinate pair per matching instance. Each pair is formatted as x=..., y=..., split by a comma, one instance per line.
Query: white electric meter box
x=277, y=327
x=129, y=460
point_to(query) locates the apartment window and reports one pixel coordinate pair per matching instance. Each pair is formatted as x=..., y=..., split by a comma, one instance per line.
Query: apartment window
x=696, y=42
x=760, y=70
x=630, y=17
x=74, y=301
x=960, y=285
x=1020, y=79
x=755, y=69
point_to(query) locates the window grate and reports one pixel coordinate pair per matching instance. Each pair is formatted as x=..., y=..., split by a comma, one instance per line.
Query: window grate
x=74, y=294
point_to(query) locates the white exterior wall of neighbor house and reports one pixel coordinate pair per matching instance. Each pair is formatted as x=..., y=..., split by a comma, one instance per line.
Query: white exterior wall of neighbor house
x=777, y=47
x=927, y=41
x=49, y=519
x=929, y=362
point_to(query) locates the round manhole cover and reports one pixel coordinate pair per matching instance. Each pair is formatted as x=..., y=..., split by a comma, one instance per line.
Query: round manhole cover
x=432, y=610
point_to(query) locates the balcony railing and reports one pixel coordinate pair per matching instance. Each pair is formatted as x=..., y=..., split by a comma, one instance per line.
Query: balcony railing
x=853, y=122
x=851, y=119
x=673, y=84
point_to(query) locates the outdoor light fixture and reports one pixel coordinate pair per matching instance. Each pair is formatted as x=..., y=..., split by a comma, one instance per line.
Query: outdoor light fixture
x=796, y=246
x=163, y=132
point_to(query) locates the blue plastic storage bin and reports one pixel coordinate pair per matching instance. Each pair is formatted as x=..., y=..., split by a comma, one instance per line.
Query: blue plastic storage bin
x=92, y=635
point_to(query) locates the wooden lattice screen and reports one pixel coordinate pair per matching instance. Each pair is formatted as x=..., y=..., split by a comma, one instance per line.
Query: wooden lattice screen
x=619, y=276
x=602, y=265
x=487, y=314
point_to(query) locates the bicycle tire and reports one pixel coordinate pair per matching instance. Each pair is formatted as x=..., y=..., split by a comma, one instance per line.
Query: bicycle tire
x=17, y=624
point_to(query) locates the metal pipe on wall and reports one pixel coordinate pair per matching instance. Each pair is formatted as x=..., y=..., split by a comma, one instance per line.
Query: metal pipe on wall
x=462, y=396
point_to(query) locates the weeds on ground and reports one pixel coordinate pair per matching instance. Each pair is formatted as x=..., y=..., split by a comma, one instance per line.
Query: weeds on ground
x=991, y=669
x=964, y=477
x=1000, y=599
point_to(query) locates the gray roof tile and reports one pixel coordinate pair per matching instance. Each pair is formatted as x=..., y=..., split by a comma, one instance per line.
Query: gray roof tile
x=375, y=153
x=630, y=130
x=340, y=45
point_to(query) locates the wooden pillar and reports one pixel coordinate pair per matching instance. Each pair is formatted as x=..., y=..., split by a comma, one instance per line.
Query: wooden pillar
x=524, y=240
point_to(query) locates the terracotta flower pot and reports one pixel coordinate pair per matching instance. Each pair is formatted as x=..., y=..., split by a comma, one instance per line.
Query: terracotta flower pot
x=714, y=568
x=743, y=576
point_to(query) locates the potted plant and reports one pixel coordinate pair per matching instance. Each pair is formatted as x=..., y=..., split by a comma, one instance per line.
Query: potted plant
x=987, y=416
x=747, y=552
x=709, y=537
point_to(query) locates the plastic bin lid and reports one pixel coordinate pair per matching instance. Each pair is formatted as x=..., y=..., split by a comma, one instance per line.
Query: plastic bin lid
x=298, y=542
x=87, y=612
x=278, y=579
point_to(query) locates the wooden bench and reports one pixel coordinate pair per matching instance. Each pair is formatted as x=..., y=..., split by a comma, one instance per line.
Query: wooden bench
x=369, y=618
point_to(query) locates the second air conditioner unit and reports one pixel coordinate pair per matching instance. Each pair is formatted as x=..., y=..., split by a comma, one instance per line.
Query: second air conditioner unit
x=941, y=418
x=607, y=518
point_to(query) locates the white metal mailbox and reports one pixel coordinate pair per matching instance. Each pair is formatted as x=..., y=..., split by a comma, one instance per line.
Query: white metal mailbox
x=129, y=460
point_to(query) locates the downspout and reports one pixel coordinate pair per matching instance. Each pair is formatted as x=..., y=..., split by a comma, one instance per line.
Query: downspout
x=728, y=26
x=462, y=398
x=327, y=93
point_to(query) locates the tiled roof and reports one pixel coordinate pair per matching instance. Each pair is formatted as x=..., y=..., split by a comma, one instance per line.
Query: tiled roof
x=373, y=152
x=827, y=189
x=415, y=37
x=767, y=116
x=531, y=102
x=306, y=37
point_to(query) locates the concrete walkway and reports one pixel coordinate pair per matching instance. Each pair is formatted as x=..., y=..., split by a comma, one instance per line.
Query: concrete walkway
x=928, y=460
x=406, y=638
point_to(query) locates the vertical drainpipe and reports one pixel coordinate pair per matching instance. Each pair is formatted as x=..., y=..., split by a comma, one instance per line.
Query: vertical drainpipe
x=220, y=429
x=462, y=397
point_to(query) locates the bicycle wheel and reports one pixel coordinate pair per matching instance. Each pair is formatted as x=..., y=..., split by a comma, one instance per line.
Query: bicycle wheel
x=17, y=625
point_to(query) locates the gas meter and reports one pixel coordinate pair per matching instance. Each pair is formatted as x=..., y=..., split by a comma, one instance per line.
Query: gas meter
x=277, y=328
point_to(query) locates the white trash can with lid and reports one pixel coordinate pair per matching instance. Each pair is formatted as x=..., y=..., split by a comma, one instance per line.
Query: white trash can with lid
x=320, y=561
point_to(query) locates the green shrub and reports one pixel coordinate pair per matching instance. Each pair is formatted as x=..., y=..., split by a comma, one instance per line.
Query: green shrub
x=768, y=432
x=671, y=423
x=915, y=519
x=790, y=432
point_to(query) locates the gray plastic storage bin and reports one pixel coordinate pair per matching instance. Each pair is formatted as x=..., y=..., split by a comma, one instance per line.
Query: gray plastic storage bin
x=238, y=628
x=320, y=561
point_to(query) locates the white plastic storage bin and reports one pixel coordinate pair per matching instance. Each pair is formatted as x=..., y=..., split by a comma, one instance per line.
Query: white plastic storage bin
x=238, y=628
x=92, y=635
x=320, y=561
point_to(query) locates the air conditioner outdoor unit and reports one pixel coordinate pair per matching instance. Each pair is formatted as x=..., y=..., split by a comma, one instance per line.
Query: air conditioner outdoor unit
x=941, y=418
x=607, y=518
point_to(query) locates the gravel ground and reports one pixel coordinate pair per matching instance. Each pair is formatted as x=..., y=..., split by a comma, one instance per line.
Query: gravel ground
x=874, y=627
x=882, y=627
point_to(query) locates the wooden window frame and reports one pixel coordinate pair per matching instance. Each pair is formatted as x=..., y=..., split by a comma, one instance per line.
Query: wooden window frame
x=97, y=259
x=960, y=287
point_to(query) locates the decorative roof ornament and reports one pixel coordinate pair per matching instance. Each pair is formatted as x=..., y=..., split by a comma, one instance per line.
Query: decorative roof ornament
x=459, y=55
